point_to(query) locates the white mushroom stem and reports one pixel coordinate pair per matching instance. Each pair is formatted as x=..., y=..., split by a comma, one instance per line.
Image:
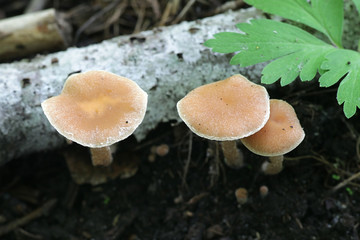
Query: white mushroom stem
x=233, y=156
x=101, y=156
x=274, y=165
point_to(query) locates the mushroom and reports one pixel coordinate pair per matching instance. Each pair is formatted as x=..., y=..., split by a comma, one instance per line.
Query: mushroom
x=241, y=195
x=97, y=109
x=226, y=111
x=280, y=135
x=264, y=191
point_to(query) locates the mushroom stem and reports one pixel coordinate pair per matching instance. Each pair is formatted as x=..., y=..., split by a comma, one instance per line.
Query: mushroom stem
x=274, y=165
x=233, y=156
x=101, y=156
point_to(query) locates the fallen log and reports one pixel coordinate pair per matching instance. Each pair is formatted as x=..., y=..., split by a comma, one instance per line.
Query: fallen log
x=166, y=62
x=32, y=33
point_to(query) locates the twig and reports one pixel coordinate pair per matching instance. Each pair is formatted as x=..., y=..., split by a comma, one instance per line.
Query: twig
x=166, y=13
x=184, y=11
x=321, y=159
x=140, y=12
x=29, y=235
x=187, y=164
x=94, y=18
x=346, y=181
x=120, y=9
x=31, y=216
x=156, y=8
x=229, y=5
x=297, y=220
x=352, y=130
x=358, y=148
x=35, y=5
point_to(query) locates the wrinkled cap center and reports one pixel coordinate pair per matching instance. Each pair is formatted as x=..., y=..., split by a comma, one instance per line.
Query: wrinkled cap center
x=96, y=107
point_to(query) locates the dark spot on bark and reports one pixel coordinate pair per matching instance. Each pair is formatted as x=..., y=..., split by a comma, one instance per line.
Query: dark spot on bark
x=25, y=82
x=193, y=30
x=180, y=56
x=137, y=39
x=54, y=60
x=127, y=122
x=291, y=126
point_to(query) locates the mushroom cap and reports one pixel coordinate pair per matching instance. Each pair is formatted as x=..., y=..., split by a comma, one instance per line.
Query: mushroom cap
x=96, y=108
x=225, y=110
x=280, y=135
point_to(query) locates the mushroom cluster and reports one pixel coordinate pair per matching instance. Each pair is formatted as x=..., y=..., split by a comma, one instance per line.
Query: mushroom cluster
x=97, y=109
x=217, y=111
x=238, y=109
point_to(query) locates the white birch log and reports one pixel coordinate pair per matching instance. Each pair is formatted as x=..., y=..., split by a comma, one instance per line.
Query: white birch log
x=166, y=62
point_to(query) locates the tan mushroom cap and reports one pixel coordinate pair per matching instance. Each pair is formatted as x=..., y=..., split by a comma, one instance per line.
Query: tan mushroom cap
x=225, y=110
x=280, y=135
x=97, y=108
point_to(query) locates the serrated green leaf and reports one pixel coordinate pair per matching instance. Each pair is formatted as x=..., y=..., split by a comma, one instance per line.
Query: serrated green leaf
x=338, y=64
x=325, y=16
x=231, y=39
x=357, y=4
x=305, y=62
x=262, y=40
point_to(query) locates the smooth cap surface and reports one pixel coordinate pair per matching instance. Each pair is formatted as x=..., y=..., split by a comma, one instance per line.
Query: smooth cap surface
x=96, y=108
x=280, y=135
x=229, y=109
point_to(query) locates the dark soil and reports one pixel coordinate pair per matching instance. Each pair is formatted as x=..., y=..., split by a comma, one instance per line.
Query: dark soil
x=156, y=203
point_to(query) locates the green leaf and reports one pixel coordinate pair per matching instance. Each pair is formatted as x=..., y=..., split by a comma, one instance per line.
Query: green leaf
x=335, y=177
x=325, y=16
x=343, y=64
x=295, y=50
x=357, y=4
x=350, y=192
x=305, y=62
x=226, y=42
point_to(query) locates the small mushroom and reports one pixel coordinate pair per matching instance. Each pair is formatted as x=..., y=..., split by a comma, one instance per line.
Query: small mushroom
x=226, y=111
x=264, y=191
x=241, y=195
x=97, y=109
x=280, y=135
